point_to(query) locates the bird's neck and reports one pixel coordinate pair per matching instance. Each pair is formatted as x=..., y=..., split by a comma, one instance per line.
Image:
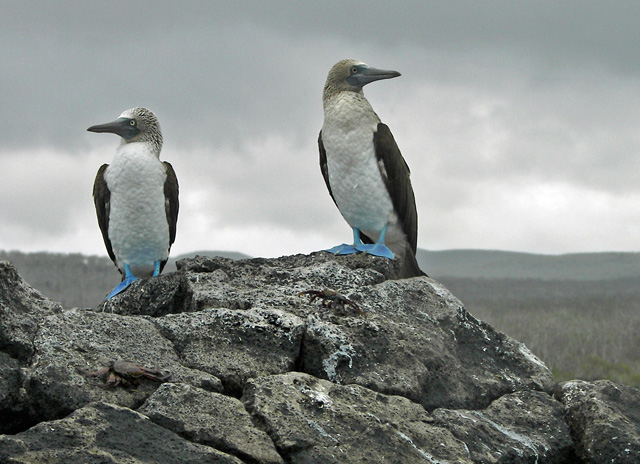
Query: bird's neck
x=152, y=141
x=348, y=107
x=146, y=149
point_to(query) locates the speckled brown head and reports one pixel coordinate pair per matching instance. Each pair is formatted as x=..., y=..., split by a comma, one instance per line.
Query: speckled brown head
x=352, y=75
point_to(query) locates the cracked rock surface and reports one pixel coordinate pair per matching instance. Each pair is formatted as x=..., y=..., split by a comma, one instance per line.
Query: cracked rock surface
x=604, y=419
x=267, y=365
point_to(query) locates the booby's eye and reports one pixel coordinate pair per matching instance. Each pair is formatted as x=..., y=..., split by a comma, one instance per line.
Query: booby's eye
x=354, y=70
x=133, y=123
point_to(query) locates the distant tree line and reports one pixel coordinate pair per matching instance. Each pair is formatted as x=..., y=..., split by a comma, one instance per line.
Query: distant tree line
x=74, y=280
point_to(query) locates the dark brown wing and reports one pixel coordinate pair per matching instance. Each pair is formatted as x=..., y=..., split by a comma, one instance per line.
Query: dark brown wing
x=102, y=200
x=396, y=176
x=171, y=203
x=323, y=166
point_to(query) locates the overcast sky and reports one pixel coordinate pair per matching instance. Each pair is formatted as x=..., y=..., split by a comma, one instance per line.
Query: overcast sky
x=520, y=120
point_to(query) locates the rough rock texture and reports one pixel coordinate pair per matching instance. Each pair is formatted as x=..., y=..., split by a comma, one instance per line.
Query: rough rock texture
x=210, y=419
x=604, y=419
x=69, y=346
x=22, y=310
x=246, y=318
x=105, y=433
x=526, y=426
x=263, y=374
x=320, y=421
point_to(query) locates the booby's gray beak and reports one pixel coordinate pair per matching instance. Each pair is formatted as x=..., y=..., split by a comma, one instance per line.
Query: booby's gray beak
x=367, y=74
x=124, y=127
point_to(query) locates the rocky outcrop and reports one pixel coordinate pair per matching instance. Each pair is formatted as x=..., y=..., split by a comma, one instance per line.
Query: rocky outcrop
x=604, y=419
x=105, y=433
x=268, y=365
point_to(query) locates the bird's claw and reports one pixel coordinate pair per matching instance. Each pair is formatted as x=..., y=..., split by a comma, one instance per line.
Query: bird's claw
x=376, y=249
x=343, y=249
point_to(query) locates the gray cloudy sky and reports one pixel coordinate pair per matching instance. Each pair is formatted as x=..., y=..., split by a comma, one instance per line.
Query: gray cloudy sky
x=520, y=120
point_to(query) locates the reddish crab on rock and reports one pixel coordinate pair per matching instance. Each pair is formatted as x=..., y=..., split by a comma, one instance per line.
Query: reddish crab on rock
x=127, y=373
x=329, y=297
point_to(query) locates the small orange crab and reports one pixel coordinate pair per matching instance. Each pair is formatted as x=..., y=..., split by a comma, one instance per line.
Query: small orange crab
x=127, y=373
x=329, y=297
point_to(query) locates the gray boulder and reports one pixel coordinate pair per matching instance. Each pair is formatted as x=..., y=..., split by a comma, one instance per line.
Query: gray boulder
x=306, y=358
x=71, y=345
x=235, y=345
x=317, y=421
x=210, y=419
x=604, y=419
x=22, y=311
x=247, y=318
x=15, y=414
x=105, y=433
x=526, y=426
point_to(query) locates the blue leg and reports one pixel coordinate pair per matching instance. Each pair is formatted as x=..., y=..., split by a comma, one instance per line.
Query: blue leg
x=129, y=278
x=378, y=248
x=156, y=269
x=345, y=249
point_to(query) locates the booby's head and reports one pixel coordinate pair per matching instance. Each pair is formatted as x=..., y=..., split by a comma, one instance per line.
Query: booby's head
x=134, y=125
x=352, y=75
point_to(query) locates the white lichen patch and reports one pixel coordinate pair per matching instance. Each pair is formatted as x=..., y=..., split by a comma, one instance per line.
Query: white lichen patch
x=574, y=389
x=464, y=416
x=445, y=294
x=317, y=395
x=423, y=453
x=526, y=442
x=330, y=364
x=322, y=432
x=342, y=351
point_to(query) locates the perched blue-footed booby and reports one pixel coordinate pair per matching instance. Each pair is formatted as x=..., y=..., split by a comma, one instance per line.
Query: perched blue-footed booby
x=136, y=198
x=365, y=172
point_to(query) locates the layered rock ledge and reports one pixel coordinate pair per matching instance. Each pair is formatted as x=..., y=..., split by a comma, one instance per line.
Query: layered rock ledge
x=262, y=373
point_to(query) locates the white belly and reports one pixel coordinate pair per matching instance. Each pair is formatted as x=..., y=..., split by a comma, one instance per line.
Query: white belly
x=358, y=189
x=138, y=228
x=354, y=175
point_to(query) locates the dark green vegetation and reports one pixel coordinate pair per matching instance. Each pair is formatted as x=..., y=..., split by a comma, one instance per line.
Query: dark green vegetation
x=579, y=313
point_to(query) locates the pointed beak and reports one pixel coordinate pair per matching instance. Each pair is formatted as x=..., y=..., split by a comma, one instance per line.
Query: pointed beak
x=375, y=74
x=120, y=126
x=368, y=74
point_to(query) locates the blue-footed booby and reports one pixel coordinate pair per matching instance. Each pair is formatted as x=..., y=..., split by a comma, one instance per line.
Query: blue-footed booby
x=367, y=177
x=136, y=198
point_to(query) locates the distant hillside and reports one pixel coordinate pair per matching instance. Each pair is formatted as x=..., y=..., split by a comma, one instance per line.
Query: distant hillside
x=491, y=264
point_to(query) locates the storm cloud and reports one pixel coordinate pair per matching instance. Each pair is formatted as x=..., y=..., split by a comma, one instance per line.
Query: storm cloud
x=519, y=119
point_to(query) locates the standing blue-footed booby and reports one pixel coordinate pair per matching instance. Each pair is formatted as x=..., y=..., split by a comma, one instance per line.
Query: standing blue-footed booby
x=365, y=172
x=136, y=198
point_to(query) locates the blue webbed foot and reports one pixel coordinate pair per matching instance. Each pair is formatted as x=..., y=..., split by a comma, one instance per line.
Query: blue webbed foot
x=122, y=286
x=377, y=249
x=129, y=278
x=343, y=249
